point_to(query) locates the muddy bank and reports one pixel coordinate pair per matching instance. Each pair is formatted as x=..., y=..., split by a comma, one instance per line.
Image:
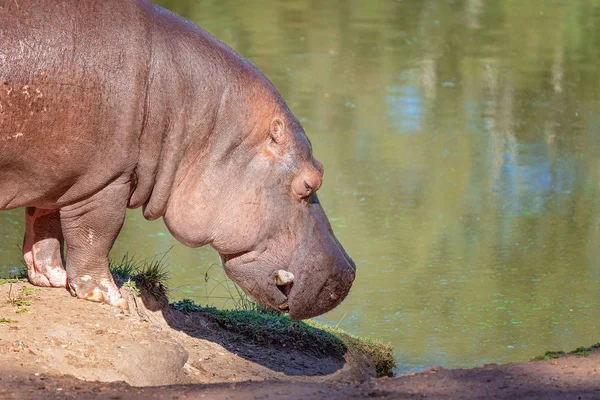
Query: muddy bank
x=54, y=346
x=49, y=332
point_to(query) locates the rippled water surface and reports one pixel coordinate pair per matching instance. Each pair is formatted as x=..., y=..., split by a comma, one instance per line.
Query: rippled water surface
x=461, y=145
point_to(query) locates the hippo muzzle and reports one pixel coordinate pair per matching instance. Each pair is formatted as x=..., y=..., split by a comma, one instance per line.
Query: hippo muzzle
x=308, y=280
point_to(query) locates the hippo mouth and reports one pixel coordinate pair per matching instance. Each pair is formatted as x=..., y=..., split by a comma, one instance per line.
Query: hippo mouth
x=272, y=290
x=284, y=281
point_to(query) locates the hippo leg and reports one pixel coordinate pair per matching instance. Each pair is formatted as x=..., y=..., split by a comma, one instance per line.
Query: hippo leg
x=43, y=248
x=90, y=228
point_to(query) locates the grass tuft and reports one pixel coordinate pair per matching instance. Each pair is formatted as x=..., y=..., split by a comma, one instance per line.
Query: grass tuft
x=153, y=274
x=549, y=355
x=22, y=299
x=7, y=321
x=150, y=274
x=123, y=269
x=585, y=351
x=580, y=351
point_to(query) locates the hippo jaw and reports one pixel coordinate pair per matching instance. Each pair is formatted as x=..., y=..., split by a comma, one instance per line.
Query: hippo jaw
x=299, y=283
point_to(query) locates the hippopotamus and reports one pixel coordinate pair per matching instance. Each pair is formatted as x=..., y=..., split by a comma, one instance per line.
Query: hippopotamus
x=113, y=104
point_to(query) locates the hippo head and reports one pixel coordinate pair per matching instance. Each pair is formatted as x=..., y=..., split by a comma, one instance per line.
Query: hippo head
x=251, y=196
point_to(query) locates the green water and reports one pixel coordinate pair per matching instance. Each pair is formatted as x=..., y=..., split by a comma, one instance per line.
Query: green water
x=460, y=141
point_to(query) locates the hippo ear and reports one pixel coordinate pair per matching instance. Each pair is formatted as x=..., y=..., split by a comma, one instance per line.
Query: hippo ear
x=277, y=131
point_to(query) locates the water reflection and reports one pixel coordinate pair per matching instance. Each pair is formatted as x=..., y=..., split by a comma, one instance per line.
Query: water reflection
x=528, y=181
x=460, y=140
x=405, y=109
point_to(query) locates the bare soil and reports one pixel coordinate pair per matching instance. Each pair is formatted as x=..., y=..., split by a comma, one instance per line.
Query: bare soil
x=64, y=348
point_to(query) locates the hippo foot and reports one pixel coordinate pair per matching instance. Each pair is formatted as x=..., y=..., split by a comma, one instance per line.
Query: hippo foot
x=51, y=277
x=106, y=291
x=44, y=264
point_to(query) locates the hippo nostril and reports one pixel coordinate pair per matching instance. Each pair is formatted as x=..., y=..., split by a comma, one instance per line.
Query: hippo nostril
x=349, y=277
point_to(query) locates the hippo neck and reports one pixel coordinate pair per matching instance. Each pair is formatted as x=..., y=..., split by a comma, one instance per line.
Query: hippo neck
x=197, y=88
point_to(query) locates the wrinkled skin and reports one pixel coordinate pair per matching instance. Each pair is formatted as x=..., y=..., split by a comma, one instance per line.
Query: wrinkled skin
x=111, y=104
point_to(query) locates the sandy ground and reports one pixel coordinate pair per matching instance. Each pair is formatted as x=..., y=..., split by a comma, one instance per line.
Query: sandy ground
x=64, y=348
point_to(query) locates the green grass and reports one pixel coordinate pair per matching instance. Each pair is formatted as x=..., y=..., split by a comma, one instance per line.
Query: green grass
x=584, y=351
x=153, y=274
x=7, y=321
x=123, y=269
x=580, y=351
x=22, y=299
x=549, y=355
x=20, y=302
x=150, y=274
x=267, y=328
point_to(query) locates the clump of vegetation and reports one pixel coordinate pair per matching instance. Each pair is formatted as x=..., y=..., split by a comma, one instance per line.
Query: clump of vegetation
x=580, y=351
x=124, y=269
x=584, y=351
x=148, y=274
x=7, y=321
x=549, y=355
x=153, y=274
x=22, y=299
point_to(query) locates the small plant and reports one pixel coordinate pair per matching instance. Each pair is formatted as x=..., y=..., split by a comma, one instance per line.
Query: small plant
x=549, y=355
x=22, y=299
x=20, y=302
x=28, y=291
x=22, y=310
x=124, y=269
x=7, y=320
x=148, y=274
x=153, y=273
x=585, y=351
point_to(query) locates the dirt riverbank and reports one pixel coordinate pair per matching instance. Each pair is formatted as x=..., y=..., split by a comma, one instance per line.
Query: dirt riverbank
x=54, y=346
